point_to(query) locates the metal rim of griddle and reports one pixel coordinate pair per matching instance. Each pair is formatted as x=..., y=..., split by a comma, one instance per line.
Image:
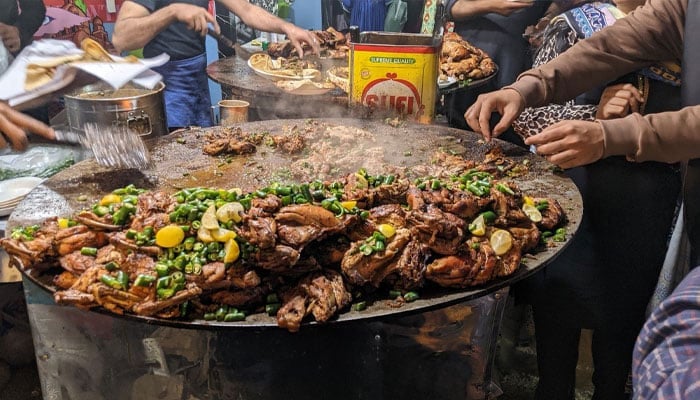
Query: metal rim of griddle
x=378, y=309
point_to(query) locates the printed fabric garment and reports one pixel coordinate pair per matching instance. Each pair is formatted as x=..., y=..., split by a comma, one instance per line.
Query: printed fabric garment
x=563, y=32
x=187, y=101
x=667, y=352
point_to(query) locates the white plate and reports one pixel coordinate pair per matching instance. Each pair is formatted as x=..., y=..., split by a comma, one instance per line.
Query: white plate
x=6, y=211
x=9, y=196
x=451, y=80
x=25, y=182
x=11, y=203
x=13, y=190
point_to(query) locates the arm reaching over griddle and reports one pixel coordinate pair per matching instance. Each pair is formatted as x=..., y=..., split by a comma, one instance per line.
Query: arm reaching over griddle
x=14, y=125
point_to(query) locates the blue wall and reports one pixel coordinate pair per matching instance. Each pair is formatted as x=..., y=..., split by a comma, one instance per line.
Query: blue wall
x=307, y=14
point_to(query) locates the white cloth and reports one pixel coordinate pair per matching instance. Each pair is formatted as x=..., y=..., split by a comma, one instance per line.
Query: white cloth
x=115, y=74
x=5, y=58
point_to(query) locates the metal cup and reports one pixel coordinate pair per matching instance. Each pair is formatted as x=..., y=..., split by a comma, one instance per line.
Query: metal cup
x=230, y=112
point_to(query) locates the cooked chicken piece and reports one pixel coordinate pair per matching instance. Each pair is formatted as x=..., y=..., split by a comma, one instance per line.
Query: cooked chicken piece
x=371, y=269
x=552, y=215
x=408, y=272
x=240, y=297
x=260, y=232
x=322, y=294
x=90, y=219
x=151, y=307
x=526, y=235
x=298, y=225
x=65, y=280
x=75, y=238
x=279, y=259
x=122, y=243
x=508, y=206
x=76, y=262
x=473, y=265
x=453, y=51
x=442, y=232
x=327, y=294
x=510, y=261
x=293, y=309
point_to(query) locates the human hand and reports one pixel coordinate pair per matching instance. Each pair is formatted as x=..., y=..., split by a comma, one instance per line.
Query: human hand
x=299, y=36
x=10, y=37
x=507, y=102
x=507, y=7
x=618, y=101
x=13, y=125
x=570, y=144
x=196, y=18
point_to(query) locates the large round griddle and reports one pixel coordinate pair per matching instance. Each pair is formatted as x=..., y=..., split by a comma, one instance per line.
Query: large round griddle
x=178, y=162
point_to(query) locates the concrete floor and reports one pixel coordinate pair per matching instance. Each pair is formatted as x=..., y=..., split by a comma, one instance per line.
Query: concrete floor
x=516, y=357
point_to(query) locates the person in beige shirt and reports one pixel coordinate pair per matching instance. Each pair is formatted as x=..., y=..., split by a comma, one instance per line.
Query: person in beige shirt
x=652, y=33
x=605, y=277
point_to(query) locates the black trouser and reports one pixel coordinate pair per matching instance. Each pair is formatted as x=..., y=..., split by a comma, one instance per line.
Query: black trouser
x=603, y=280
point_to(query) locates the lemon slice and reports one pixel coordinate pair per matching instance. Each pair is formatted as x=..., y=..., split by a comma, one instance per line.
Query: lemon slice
x=478, y=226
x=231, y=251
x=204, y=235
x=532, y=212
x=501, y=241
x=361, y=181
x=230, y=212
x=387, y=230
x=169, y=236
x=110, y=199
x=349, y=205
x=222, y=235
x=62, y=223
x=209, y=220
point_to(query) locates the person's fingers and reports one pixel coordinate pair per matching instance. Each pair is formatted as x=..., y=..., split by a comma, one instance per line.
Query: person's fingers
x=27, y=123
x=315, y=45
x=210, y=18
x=507, y=117
x=634, y=92
x=613, y=110
x=13, y=133
x=202, y=24
x=300, y=49
x=472, y=117
x=565, y=159
x=485, y=122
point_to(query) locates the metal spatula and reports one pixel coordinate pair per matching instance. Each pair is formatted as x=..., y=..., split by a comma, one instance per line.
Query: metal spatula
x=112, y=146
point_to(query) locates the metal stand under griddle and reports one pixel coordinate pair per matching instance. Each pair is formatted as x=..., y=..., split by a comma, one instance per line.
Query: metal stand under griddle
x=443, y=354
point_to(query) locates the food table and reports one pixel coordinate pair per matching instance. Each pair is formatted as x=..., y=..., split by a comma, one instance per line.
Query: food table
x=440, y=346
x=238, y=81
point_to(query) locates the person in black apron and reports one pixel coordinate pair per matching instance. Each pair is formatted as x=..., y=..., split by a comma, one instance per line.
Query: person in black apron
x=178, y=29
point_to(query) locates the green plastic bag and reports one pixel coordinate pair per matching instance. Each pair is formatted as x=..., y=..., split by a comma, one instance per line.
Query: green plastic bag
x=396, y=16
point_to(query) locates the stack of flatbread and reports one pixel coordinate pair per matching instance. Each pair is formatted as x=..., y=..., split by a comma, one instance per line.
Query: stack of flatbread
x=282, y=67
x=304, y=85
x=340, y=76
x=41, y=72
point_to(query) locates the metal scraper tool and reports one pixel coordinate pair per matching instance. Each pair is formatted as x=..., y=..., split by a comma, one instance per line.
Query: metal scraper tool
x=112, y=146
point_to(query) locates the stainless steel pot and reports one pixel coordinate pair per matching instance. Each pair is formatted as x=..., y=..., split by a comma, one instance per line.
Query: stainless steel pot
x=141, y=110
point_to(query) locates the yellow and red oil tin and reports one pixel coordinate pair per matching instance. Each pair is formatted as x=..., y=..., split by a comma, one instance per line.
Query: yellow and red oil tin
x=396, y=72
